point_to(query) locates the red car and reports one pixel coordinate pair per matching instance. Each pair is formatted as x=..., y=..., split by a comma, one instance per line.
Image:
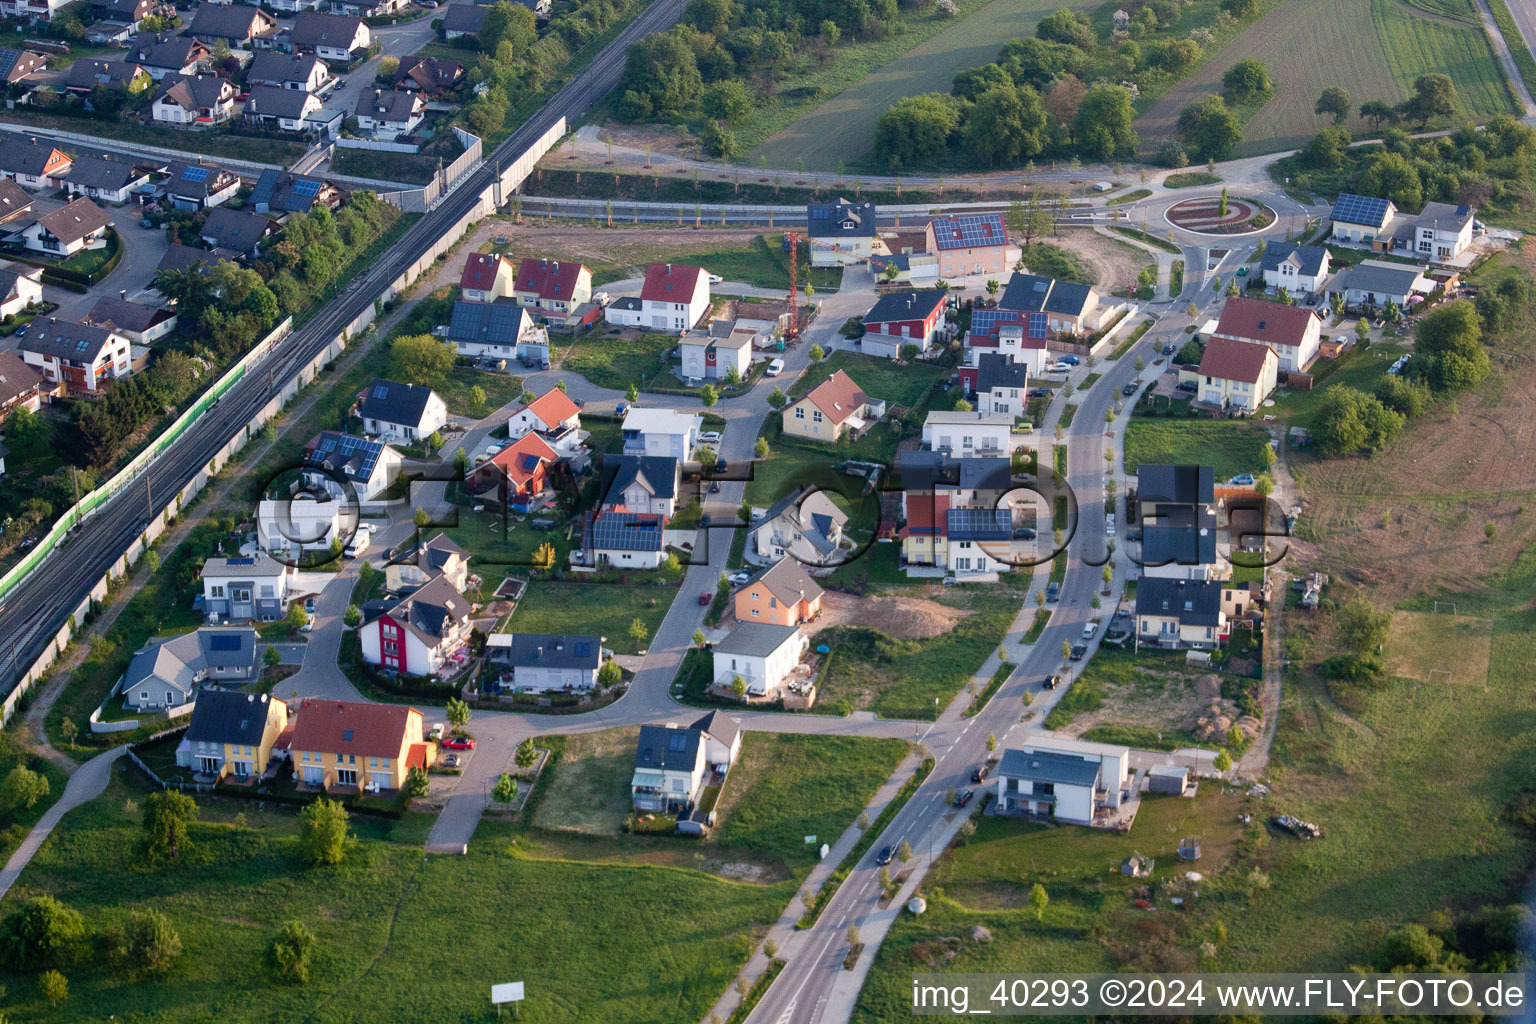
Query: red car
x=706, y=597
x=459, y=743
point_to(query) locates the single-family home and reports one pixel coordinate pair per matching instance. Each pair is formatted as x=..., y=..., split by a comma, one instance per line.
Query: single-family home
x=898, y=319
x=460, y=19
x=551, y=414
x=672, y=765
x=352, y=745
x=961, y=541
x=1235, y=375
x=622, y=539
x=161, y=54
x=641, y=483
x=1361, y=220
x=437, y=556
x=487, y=276
x=238, y=26
x=660, y=432
x=20, y=285
x=330, y=36
x=285, y=192
x=1045, y=307
x=295, y=6
x=918, y=269
x=350, y=468
x=401, y=412
x=1180, y=543
x=141, y=323
x=245, y=588
x=236, y=231
x=230, y=735
x=704, y=356
x=303, y=523
x=782, y=595
x=832, y=408
x=199, y=186
x=495, y=331
x=519, y=473
x=82, y=359
x=77, y=225
x=1377, y=282
x=1294, y=332
x=1011, y=341
x=805, y=524
x=202, y=98
x=761, y=653
x=21, y=386
x=422, y=633
x=545, y=662
x=964, y=481
x=970, y=244
x=110, y=181
x=1065, y=780
x=123, y=14
x=37, y=164
x=969, y=433
x=673, y=298
x=88, y=73
x=1442, y=231
x=1002, y=385
x=433, y=77
x=302, y=72
x=185, y=257
x=168, y=672
x=389, y=113
x=1159, y=485
x=282, y=109
x=841, y=232
x=15, y=204
x=1179, y=613
x=1299, y=269
x=16, y=65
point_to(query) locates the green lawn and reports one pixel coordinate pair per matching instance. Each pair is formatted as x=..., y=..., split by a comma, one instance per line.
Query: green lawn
x=1190, y=179
x=787, y=467
x=1150, y=239
x=268, y=151
x=616, y=363
x=491, y=550
x=499, y=388
x=605, y=609
x=879, y=378
x=1358, y=368
x=1229, y=446
x=1129, y=197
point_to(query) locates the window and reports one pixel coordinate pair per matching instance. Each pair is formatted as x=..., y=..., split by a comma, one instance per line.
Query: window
x=773, y=602
x=816, y=416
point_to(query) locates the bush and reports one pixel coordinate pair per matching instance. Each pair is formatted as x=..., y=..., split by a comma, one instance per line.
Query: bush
x=40, y=934
x=287, y=955
x=146, y=945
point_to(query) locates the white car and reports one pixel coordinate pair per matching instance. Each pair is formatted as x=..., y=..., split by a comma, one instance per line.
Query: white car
x=716, y=279
x=709, y=437
x=775, y=367
x=740, y=578
x=1058, y=368
x=1090, y=630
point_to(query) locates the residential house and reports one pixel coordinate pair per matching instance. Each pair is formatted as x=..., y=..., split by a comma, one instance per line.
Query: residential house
x=78, y=225
x=918, y=269
x=781, y=595
x=1011, y=341
x=519, y=473
x=965, y=480
x=162, y=54
x=21, y=386
x=495, y=331
x=142, y=324
x=199, y=186
x=660, y=432
x=641, y=483
x=15, y=65
x=841, y=233
x=1162, y=485
x=168, y=672
x=283, y=109
x=762, y=654
x=545, y=662
x=1069, y=781
x=551, y=414
x=401, y=412
x=806, y=525
x=433, y=77
x=422, y=633
x=961, y=541
x=1362, y=220
x=623, y=539
x=704, y=356
x=1179, y=613
x=970, y=244
x=969, y=433
x=119, y=16
x=231, y=735
x=330, y=36
x=1299, y=269
x=238, y=26
x=1045, y=307
x=236, y=231
x=31, y=10
x=1235, y=375
x=199, y=99
x=87, y=74
x=350, y=468
x=110, y=181
x=246, y=588
x=461, y=19
x=15, y=204
x=1377, y=282
x=487, y=276
x=832, y=408
x=303, y=523
x=1179, y=542
x=285, y=192
x=37, y=165
x=20, y=285
x=354, y=745
x=674, y=297
x=391, y=113
x=81, y=358
x=1294, y=332
x=301, y=72
x=1002, y=385
x=903, y=318
x=295, y=6
x=185, y=257
x=673, y=765
x=415, y=566
x=1442, y=231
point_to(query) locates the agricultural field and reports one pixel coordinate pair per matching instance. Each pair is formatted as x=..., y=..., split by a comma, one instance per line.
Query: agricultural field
x=1373, y=48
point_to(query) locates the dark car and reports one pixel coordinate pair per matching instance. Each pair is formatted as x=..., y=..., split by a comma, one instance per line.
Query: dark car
x=1168, y=349
x=1041, y=393
x=980, y=773
x=1024, y=533
x=964, y=797
x=1051, y=682
x=1053, y=592
x=720, y=465
x=1078, y=651
x=706, y=597
x=1128, y=390
x=884, y=856
x=714, y=487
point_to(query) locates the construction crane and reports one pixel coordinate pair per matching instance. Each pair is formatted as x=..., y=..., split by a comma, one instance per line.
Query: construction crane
x=793, y=239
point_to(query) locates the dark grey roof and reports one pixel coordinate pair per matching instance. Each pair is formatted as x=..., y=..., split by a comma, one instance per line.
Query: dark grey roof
x=65, y=339
x=14, y=200
x=96, y=172
x=233, y=21
x=26, y=159
x=756, y=639
x=1309, y=258
x=246, y=567
x=271, y=67
x=1033, y=293
x=718, y=725
x=628, y=302
x=1175, y=485
x=623, y=531
x=228, y=716
x=355, y=457
x=657, y=473
x=931, y=470
x=286, y=192
x=555, y=650
x=393, y=402
x=903, y=305
x=999, y=370
x=165, y=51
x=491, y=323
x=128, y=316
x=1382, y=278
x=1444, y=217
x=1180, y=545
x=16, y=377
x=329, y=30
x=386, y=105
x=181, y=257
x=228, y=646
x=275, y=101
x=87, y=74
x=75, y=220
x=1049, y=766
x=236, y=230
x=840, y=219
x=437, y=551
x=429, y=609
x=1193, y=602
x=197, y=181
x=463, y=18
x=660, y=748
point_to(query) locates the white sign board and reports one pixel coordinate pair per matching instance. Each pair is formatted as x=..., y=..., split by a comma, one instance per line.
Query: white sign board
x=511, y=992
x=809, y=840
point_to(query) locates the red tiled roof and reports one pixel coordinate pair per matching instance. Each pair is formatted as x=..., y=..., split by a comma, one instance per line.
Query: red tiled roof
x=1235, y=360
x=480, y=271
x=670, y=282
x=549, y=279
x=553, y=407
x=838, y=397
x=347, y=727
x=521, y=459
x=927, y=515
x=1264, y=321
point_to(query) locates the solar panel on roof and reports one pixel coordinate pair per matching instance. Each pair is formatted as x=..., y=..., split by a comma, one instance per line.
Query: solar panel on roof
x=1353, y=209
x=349, y=447
x=346, y=735
x=224, y=642
x=677, y=741
x=980, y=523
x=1037, y=325
x=240, y=561
x=306, y=188
x=195, y=174
x=380, y=391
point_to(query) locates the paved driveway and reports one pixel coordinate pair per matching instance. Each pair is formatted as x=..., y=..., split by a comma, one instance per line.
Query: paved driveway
x=142, y=252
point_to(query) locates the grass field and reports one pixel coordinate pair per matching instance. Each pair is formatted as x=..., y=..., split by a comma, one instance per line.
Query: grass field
x=879, y=378
x=1440, y=648
x=499, y=388
x=614, y=362
x=1373, y=48
x=1227, y=445
x=1358, y=368
x=606, y=609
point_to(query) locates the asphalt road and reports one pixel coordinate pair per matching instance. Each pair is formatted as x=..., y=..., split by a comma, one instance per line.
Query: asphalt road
x=34, y=611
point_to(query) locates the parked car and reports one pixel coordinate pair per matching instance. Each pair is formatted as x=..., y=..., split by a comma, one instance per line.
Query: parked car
x=451, y=761
x=1168, y=349
x=1128, y=390
x=1051, y=682
x=884, y=856
x=1069, y=360
x=775, y=367
x=1243, y=479
x=1186, y=385
x=1079, y=652
x=980, y=773
x=460, y=743
x=964, y=797
x=1042, y=392
x=705, y=597
x=714, y=487
x=1024, y=533
x=709, y=437
x=740, y=578
x=1053, y=592
x=716, y=279
x=1090, y=630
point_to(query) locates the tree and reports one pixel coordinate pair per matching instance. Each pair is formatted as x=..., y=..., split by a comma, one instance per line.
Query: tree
x=54, y=987
x=705, y=455
x=477, y=397
x=904, y=851
x=1378, y=113
x=1328, y=147
x=1360, y=626
x=916, y=128
x=1066, y=649
x=884, y=879
x=526, y=753
x=323, y=838
x=1223, y=761
x=1170, y=153
x=1247, y=79
x=727, y=101
x=297, y=617
x=1264, y=484
x=816, y=353
x=639, y=632
x=1350, y=420
x=1391, y=176
x=22, y=789
x=1103, y=123
x=41, y=933
x=509, y=24
x=544, y=557
x=1335, y=100
x=69, y=730
x=457, y=712
x=830, y=33
x=1007, y=123
x=991, y=742
x=632, y=395
x=1209, y=128
x=1068, y=27
x=287, y=955
x=777, y=399
x=166, y=817
x=1449, y=342
x=417, y=785
x=852, y=935
x=1039, y=899
x=709, y=396
x=1434, y=95
x=760, y=448
x=146, y=945
x=505, y=790
x=1240, y=9
x=420, y=359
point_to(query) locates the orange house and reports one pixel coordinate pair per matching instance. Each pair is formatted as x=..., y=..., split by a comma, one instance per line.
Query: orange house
x=783, y=595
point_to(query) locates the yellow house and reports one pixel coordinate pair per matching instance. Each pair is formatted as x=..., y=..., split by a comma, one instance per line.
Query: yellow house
x=1235, y=375
x=1179, y=613
x=834, y=406
x=231, y=734
x=348, y=745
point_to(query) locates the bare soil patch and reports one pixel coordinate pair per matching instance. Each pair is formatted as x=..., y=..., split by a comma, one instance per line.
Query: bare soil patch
x=1115, y=266
x=906, y=617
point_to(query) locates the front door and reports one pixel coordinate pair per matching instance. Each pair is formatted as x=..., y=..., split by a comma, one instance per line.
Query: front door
x=346, y=776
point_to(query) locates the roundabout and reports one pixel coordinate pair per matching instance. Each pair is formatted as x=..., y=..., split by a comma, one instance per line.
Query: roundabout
x=1205, y=215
